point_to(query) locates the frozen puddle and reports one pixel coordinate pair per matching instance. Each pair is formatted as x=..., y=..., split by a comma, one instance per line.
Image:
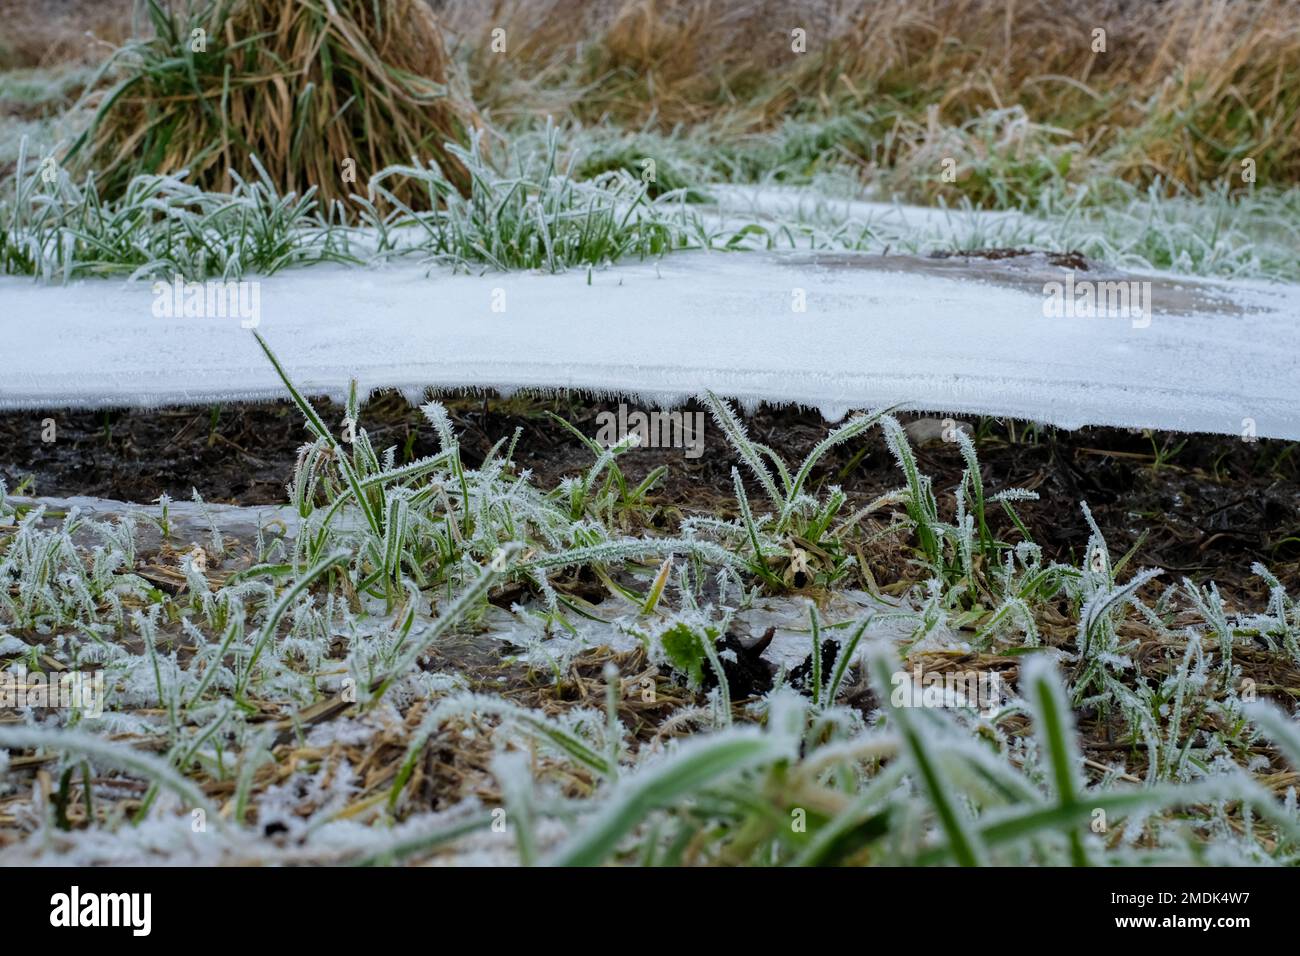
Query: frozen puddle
x=835, y=332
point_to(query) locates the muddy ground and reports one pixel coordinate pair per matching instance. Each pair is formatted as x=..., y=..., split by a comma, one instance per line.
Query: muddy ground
x=1202, y=506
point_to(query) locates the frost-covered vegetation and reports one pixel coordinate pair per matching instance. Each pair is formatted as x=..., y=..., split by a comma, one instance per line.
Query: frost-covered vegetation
x=537, y=211
x=286, y=697
x=580, y=156
x=534, y=216
x=419, y=660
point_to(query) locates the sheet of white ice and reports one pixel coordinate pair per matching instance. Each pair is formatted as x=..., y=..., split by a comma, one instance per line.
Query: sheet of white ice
x=663, y=331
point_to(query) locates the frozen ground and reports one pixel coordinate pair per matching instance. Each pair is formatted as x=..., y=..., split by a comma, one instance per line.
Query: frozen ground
x=966, y=336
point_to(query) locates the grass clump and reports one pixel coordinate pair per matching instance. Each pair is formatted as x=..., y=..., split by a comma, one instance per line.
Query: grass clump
x=533, y=215
x=300, y=85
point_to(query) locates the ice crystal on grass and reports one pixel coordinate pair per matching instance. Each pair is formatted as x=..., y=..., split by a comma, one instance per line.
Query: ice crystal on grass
x=348, y=635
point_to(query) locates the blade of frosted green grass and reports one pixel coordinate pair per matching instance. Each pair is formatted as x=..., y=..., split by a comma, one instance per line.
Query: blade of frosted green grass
x=633, y=548
x=823, y=840
x=321, y=431
x=1020, y=825
x=759, y=563
x=604, y=460
x=696, y=764
x=1051, y=718
x=1015, y=518
x=592, y=445
x=514, y=776
x=965, y=844
x=920, y=505
x=816, y=659
x=563, y=740
x=395, y=529
x=187, y=754
x=1096, y=609
x=256, y=752
x=840, y=435
x=290, y=595
x=657, y=587
x=847, y=650
x=406, y=472
x=148, y=633
x=967, y=447
x=114, y=755
x=1282, y=730
x=613, y=726
x=724, y=686
x=1175, y=757
x=438, y=836
x=734, y=431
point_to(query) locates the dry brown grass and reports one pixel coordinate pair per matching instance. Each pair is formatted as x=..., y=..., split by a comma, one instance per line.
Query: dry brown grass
x=303, y=85
x=1185, y=90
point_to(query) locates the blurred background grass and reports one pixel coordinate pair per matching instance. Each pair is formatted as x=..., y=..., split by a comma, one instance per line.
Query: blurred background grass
x=1150, y=137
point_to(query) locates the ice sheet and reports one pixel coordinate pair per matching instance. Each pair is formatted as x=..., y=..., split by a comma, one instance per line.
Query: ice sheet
x=1213, y=358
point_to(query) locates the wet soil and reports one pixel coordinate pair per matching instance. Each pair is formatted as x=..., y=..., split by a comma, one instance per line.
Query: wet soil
x=1197, y=505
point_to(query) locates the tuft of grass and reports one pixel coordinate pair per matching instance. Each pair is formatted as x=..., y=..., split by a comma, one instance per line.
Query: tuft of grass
x=302, y=85
x=534, y=215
